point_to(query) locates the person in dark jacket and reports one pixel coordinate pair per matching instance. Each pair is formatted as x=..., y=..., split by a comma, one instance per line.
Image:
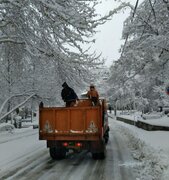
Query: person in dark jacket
x=68, y=95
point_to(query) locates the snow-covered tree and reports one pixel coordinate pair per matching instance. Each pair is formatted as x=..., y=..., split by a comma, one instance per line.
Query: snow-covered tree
x=144, y=56
x=40, y=44
x=44, y=39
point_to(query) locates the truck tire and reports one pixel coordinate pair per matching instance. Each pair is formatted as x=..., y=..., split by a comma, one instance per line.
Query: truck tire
x=57, y=153
x=100, y=155
x=95, y=156
x=106, y=137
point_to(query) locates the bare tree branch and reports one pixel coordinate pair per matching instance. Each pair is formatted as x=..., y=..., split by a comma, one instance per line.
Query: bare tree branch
x=19, y=105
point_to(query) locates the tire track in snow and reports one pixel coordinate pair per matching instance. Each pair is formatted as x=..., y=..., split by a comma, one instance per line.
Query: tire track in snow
x=37, y=155
x=18, y=136
x=78, y=166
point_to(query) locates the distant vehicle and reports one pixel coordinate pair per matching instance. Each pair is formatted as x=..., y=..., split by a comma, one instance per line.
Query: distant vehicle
x=82, y=127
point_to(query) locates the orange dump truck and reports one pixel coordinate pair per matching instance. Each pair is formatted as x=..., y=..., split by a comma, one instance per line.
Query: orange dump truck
x=82, y=127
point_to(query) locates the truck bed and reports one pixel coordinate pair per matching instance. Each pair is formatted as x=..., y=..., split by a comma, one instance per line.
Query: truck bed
x=70, y=123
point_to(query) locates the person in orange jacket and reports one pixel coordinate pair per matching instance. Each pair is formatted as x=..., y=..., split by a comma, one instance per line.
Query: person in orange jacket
x=93, y=95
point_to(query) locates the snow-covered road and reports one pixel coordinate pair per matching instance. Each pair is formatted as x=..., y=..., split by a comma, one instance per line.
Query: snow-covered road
x=132, y=154
x=18, y=148
x=28, y=158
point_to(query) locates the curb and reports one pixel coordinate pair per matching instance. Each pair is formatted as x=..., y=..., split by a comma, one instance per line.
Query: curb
x=143, y=125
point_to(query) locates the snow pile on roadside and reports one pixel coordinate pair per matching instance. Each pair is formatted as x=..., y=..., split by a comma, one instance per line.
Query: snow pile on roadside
x=154, y=162
x=6, y=127
x=155, y=118
x=162, y=121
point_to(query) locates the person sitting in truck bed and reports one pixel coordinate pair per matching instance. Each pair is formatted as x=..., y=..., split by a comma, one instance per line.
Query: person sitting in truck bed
x=93, y=95
x=68, y=95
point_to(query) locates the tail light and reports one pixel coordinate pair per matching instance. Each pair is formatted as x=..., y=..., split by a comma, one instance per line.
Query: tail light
x=78, y=144
x=72, y=144
x=65, y=144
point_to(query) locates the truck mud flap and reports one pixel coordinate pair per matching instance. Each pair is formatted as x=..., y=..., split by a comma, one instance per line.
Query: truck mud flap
x=98, y=149
x=57, y=153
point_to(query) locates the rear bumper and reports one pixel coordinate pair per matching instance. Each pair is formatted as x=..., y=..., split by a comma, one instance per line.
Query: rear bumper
x=92, y=146
x=69, y=137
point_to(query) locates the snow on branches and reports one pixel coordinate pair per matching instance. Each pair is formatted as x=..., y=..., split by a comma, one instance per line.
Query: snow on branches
x=144, y=62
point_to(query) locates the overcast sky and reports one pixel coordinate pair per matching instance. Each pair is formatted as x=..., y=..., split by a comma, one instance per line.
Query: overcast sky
x=108, y=40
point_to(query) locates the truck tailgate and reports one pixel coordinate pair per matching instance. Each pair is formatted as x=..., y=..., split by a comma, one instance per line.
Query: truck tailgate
x=74, y=123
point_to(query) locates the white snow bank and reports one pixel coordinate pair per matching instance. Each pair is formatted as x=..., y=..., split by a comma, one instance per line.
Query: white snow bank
x=6, y=127
x=154, y=115
x=133, y=116
x=162, y=121
x=153, y=119
x=149, y=148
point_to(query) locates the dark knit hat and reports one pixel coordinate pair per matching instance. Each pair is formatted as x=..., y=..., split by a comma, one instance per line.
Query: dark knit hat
x=64, y=84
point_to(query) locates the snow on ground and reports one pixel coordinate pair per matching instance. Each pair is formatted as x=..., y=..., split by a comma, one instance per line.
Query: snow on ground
x=161, y=121
x=150, y=148
x=18, y=145
x=6, y=127
x=153, y=118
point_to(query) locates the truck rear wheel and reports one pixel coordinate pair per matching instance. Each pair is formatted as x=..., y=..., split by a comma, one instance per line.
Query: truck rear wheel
x=95, y=155
x=106, y=137
x=100, y=155
x=57, y=153
x=98, y=149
